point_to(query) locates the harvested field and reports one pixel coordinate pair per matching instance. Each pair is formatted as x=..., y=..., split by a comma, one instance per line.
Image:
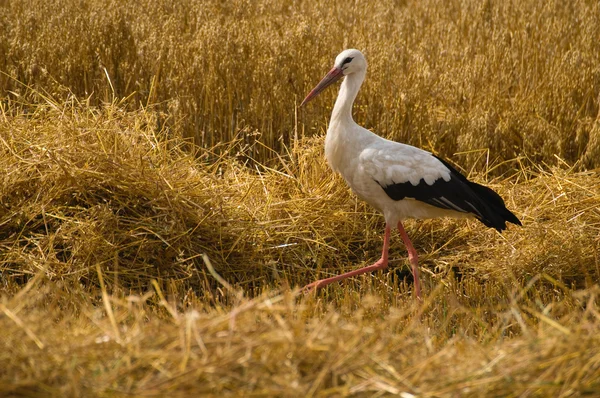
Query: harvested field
x=162, y=198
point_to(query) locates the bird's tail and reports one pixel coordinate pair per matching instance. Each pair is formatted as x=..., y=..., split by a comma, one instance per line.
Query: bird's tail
x=496, y=215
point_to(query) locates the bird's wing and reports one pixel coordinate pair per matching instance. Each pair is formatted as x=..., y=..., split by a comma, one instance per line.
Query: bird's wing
x=404, y=171
x=391, y=163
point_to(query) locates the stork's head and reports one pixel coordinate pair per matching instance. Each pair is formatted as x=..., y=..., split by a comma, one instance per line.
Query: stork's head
x=346, y=63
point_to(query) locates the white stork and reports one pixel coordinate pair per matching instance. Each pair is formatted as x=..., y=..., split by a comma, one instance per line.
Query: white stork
x=399, y=180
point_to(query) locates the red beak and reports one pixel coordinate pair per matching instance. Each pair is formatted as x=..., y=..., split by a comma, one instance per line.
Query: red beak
x=333, y=76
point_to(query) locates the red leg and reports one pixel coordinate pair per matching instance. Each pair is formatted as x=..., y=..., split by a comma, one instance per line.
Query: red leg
x=412, y=257
x=380, y=264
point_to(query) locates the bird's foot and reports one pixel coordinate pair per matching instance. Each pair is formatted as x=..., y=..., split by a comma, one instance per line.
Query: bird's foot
x=311, y=287
x=380, y=264
x=418, y=292
x=416, y=277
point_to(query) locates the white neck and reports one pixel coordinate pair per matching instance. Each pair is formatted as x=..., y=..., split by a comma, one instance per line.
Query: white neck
x=342, y=111
x=341, y=124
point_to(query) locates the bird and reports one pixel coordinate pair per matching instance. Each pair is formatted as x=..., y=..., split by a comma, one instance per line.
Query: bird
x=399, y=180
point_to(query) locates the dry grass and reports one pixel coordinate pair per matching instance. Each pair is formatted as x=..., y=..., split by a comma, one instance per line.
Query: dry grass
x=515, y=78
x=104, y=220
x=107, y=206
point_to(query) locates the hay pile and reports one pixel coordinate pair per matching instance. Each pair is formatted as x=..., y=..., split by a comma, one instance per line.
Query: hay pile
x=106, y=215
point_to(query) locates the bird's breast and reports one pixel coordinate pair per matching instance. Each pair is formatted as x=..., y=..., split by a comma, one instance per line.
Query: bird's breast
x=338, y=152
x=333, y=151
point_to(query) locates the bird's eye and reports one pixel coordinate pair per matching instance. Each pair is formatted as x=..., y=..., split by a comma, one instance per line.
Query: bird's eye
x=347, y=60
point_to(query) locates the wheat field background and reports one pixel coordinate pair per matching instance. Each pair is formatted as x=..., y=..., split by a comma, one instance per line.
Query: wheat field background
x=162, y=197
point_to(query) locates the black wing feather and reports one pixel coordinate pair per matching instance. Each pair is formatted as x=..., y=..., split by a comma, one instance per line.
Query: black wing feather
x=457, y=194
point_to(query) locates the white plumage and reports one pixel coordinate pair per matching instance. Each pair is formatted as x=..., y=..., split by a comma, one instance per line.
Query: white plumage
x=399, y=180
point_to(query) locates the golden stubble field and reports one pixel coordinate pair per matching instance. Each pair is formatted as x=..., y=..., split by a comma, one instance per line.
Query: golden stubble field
x=162, y=197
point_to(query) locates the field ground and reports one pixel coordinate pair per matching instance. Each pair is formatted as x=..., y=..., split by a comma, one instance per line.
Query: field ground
x=161, y=201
